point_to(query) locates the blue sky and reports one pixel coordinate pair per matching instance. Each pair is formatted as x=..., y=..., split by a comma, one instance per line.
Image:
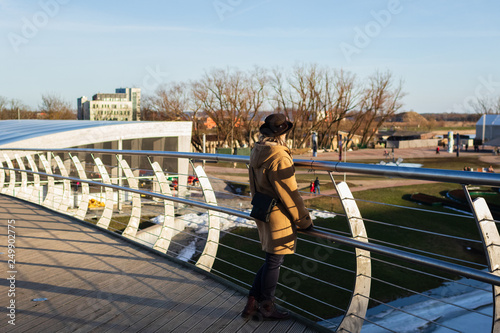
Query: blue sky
x=446, y=52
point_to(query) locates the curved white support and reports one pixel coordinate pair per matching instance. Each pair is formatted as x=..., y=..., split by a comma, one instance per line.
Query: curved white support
x=35, y=193
x=2, y=177
x=167, y=230
x=24, y=192
x=108, y=205
x=49, y=198
x=354, y=317
x=135, y=215
x=207, y=257
x=491, y=244
x=84, y=202
x=64, y=199
x=12, y=177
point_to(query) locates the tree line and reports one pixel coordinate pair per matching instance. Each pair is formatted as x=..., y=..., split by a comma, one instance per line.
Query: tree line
x=316, y=99
x=487, y=105
x=228, y=105
x=51, y=107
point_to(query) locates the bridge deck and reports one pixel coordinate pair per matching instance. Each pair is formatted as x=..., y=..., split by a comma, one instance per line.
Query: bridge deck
x=94, y=282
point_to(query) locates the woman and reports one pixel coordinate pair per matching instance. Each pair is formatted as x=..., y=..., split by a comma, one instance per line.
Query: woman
x=272, y=173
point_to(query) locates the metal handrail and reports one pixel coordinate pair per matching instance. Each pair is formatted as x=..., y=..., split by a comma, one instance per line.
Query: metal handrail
x=410, y=257
x=376, y=248
x=438, y=175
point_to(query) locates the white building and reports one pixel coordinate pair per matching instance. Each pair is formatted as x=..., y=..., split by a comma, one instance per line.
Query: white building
x=123, y=105
x=114, y=135
x=488, y=127
x=144, y=135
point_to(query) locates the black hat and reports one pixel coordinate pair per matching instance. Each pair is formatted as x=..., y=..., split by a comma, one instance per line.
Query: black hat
x=275, y=125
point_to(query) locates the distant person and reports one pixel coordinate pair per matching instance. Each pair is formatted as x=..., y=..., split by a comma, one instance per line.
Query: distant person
x=272, y=173
x=437, y=150
x=316, y=186
x=490, y=169
x=311, y=187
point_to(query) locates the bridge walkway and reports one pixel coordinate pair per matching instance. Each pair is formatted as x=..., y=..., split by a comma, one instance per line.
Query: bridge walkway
x=70, y=277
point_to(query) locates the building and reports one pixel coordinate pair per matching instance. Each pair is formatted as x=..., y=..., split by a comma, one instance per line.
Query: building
x=406, y=139
x=123, y=105
x=487, y=128
x=144, y=135
x=85, y=134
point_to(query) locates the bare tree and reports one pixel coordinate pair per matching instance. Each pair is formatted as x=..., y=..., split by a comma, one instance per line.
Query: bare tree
x=3, y=103
x=4, y=108
x=223, y=96
x=487, y=105
x=256, y=88
x=229, y=103
x=198, y=95
x=300, y=97
x=169, y=103
x=316, y=99
x=54, y=107
x=14, y=109
x=380, y=100
x=341, y=97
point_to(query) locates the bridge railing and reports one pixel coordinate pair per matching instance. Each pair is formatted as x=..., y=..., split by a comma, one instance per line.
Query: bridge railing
x=367, y=266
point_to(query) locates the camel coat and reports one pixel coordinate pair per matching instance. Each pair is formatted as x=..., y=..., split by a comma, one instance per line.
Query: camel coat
x=274, y=172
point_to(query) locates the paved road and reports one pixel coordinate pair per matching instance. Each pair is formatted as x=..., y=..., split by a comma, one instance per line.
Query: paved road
x=486, y=157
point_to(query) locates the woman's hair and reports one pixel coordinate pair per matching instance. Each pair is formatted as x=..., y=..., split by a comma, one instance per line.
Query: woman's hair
x=281, y=140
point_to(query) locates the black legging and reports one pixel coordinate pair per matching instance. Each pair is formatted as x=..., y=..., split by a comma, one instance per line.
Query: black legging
x=266, y=279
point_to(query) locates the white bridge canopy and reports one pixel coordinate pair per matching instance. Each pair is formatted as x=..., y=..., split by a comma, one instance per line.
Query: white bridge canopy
x=74, y=133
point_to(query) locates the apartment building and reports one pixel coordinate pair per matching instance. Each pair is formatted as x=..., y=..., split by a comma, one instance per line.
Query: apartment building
x=123, y=105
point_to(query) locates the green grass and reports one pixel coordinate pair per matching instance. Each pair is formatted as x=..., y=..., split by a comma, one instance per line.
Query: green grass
x=337, y=263
x=295, y=283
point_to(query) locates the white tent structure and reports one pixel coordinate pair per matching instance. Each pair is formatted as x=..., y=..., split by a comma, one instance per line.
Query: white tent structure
x=488, y=128
x=493, y=142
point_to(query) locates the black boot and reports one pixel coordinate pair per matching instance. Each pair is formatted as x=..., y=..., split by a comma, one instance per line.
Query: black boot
x=268, y=311
x=251, y=308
